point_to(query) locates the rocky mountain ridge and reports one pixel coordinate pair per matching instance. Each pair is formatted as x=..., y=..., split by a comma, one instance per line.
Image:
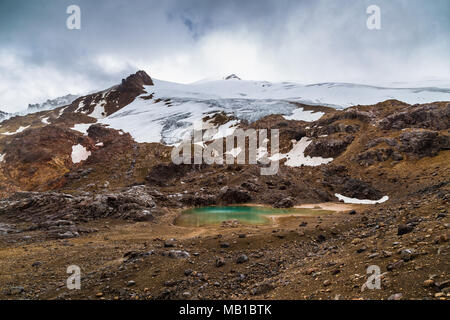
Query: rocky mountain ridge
x=52, y=103
x=388, y=149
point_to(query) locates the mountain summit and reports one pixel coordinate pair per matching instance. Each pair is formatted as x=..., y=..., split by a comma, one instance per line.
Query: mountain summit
x=135, y=82
x=232, y=77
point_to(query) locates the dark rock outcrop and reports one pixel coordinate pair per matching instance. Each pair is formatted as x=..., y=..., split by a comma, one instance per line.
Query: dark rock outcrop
x=341, y=183
x=136, y=82
x=328, y=147
x=234, y=196
x=114, y=98
x=373, y=156
x=165, y=173
x=284, y=203
x=58, y=213
x=429, y=116
x=424, y=142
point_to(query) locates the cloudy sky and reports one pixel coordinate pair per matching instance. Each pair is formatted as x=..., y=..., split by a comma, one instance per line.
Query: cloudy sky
x=308, y=41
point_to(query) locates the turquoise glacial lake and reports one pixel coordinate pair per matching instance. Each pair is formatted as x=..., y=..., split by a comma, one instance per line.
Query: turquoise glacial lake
x=249, y=215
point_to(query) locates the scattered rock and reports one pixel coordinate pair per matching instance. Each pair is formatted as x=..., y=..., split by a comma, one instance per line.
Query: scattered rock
x=396, y=296
x=16, y=290
x=429, y=283
x=220, y=261
x=407, y=254
x=404, y=229
x=178, y=254
x=262, y=289
x=224, y=244
x=285, y=203
x=242, y=258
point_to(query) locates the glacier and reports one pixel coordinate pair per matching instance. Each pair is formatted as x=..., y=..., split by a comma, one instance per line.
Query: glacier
x=175, y=109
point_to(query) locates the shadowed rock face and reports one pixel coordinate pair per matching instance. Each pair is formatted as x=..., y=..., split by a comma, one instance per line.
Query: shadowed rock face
x=234, y=196
x=337, y=178
x=165, y=173
x=373, y=156
x=328, y=147
x=136, y=82
x=114, y=98
x=424, y=143
x=424, y=116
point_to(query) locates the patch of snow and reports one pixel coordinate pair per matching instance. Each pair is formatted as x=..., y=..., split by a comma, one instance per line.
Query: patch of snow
x=277, y=157
x=225, y=130
x=234, y=152
x=62, y=111
x=149, y=122
x=99, y=110
x=80, y=106
x=17, y=131
x=100, y=144
x=45, y=120
x=2, y=157
x=200, y=143
x=358, y=201
x=304, y=115
x=296, y=157
x=261, y=152
x=82, y=127
x=79, y=153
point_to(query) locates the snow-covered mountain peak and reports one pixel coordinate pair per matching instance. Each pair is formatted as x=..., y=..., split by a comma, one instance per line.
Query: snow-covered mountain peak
x=153, y=110
x=232, y=77
x=52, y=103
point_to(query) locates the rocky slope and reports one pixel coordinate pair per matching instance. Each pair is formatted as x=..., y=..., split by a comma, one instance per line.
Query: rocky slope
x=389, y=149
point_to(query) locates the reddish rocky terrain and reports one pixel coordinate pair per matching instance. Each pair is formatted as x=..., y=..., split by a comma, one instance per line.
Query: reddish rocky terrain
x=113, y=213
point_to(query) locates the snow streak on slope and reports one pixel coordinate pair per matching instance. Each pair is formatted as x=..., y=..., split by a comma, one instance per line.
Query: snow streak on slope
x=21, y=129
x=360, y=201
x=296, y=157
